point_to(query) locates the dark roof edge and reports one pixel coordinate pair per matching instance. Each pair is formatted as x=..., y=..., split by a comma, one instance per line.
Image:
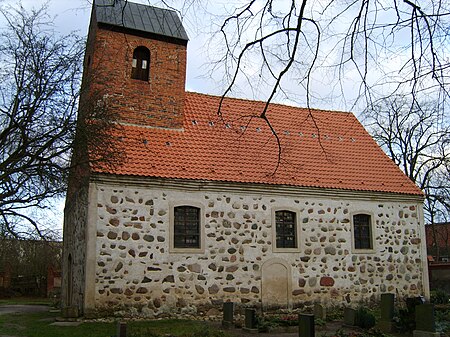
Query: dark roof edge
x=140, y=17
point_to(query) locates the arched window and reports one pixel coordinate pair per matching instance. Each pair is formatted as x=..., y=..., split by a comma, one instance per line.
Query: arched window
x=140, y=64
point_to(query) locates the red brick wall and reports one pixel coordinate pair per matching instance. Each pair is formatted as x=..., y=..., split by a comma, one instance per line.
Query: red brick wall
x=53, y=279
x=157, y=102
x=5, y=277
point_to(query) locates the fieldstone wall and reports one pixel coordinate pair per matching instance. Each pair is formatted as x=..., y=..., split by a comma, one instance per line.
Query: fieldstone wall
x=136, y=272
x=74, y=249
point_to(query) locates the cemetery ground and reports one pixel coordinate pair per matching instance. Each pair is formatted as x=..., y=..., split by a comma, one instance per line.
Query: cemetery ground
x=36, y=318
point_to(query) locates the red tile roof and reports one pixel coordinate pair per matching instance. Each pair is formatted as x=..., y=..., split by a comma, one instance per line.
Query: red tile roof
x=323, y=149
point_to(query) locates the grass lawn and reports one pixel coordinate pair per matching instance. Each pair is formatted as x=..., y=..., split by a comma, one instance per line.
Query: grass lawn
x=38, y=325
x=26, y=300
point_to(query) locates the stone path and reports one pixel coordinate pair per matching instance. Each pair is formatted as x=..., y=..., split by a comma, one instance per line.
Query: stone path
x=18, y=308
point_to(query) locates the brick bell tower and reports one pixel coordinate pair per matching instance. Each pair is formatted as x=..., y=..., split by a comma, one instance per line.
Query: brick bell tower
x=136, y=62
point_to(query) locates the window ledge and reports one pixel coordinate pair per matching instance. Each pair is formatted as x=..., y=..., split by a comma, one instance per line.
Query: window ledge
x=286, y=250
x=187, y=250
x=364, y=251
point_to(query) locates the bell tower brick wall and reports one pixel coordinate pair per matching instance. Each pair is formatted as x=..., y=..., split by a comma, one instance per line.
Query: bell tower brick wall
x=158, y=102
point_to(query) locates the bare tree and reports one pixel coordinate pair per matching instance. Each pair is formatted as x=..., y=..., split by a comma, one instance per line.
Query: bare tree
x=329, y=53
x=40, y=75
x=29, y=261
x=438, y=206
x=417, y=138
x=359, y=50
x=384, y=48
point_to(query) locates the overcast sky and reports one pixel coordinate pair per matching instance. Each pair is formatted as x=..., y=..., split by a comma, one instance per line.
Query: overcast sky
x=199, y=21
x=327, y=92
x=73, y=15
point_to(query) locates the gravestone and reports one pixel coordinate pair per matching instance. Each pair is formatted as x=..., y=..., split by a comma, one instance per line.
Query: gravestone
x=320, y=311
x=250, y=324
x=350, y=317
x=306, y=325
x=121, y=329
x=387, y=312
x=387, y=307
x=412, y=302
x=228, y=315
x=425, y=322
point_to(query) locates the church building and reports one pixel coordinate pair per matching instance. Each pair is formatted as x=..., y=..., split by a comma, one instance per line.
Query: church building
x=205, y=208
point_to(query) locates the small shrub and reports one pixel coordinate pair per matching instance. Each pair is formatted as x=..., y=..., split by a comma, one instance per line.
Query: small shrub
x=265, y=324
x=374, y=333
x=269, y=322
x=439, y=296
x=320, y=322
x=335, y=314
x=367, y=333
x=405, y=321
x=342, y=333
x=365, y=319
x=443, y=320
x=289, y=320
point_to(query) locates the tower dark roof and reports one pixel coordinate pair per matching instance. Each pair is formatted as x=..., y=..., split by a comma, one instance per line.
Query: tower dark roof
x=139, y=17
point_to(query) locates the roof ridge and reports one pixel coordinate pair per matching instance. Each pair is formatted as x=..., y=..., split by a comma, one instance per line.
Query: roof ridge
x=271, y=104
x=127, y=2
